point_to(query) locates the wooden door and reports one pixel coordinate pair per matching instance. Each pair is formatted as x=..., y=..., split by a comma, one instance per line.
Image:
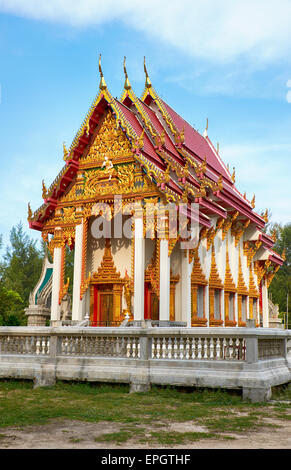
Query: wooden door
x=106, y=308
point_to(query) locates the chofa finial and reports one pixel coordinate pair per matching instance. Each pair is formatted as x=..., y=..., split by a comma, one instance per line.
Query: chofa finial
x=205, y=133
x=102, y=84
x=127, y=84
x=148, y=83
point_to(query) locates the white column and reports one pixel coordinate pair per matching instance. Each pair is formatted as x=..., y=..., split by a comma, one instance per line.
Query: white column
x=139, y=266
x=164, y=305
x=265, y=305
x=77, y=313
x=186, y=270
x=56, y=284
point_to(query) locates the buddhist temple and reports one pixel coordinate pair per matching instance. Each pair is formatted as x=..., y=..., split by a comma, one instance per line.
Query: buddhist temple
x=158, y=227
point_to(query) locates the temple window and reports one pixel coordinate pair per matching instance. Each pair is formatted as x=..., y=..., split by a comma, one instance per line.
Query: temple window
x=217, y=304
x=200, y=301
x=231, y=299
x=229, y=294
x=198, y=283
x=244, y=308
x=215, y=290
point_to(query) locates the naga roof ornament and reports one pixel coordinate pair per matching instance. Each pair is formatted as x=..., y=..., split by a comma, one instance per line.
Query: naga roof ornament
x=102, y=84
x=148, y=83
x=127, y=84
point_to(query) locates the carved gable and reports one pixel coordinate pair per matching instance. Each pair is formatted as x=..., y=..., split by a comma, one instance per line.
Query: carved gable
x=110, y=142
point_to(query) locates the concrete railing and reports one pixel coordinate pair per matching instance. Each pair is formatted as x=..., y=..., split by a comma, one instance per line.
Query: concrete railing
x=247, y=358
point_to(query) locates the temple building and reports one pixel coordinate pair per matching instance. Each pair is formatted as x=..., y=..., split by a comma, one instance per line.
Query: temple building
x=158, y=227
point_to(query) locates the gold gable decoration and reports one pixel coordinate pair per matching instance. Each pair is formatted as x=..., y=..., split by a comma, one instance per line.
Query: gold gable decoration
x=229, y=284
x=253, y=291
x=109, y=142
x=107, y=272
x=152, y=272
x=241, y=286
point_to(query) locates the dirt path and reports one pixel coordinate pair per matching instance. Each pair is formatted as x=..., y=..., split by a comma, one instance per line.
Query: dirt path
x=62, y=434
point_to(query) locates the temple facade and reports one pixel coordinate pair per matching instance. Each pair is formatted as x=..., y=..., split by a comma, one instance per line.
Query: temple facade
x=158, y=227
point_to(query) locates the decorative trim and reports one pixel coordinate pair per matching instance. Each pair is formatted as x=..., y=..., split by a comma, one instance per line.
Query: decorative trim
x=229, y=285
x=214, y=279
x=197, y=275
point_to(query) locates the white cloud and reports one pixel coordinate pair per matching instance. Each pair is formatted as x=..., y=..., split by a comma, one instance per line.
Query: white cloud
x=216, y=30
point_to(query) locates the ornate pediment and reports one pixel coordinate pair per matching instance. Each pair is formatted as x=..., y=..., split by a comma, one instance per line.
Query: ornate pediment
x=107, y=272
x=109, y=143
x=197, y=275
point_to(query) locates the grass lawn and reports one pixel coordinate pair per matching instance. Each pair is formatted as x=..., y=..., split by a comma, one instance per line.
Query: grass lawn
x=145, y=416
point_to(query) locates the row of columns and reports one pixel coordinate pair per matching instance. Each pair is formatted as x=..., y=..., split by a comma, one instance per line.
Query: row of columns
x=139, y=270
x=77, y=302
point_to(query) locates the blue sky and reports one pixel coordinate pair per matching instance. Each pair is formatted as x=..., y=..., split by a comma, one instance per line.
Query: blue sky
x=207, y=59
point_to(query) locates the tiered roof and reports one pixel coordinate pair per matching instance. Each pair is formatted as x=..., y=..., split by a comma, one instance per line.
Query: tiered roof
x=184, y=164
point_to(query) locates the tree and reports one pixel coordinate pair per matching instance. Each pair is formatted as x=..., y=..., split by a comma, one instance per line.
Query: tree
x=281, y=283
x=10, y=304
x=19, y=273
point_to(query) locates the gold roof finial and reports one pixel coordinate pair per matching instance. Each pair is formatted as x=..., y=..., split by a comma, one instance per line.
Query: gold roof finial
x=66, y=153
x=44, y=190
x=205, y=133
x=266, y=216
x=29, y=212
x=233, y=175
x=148, y=83
x=253, y=202
x=217, y=149
x=102, y=84
x=127, y=84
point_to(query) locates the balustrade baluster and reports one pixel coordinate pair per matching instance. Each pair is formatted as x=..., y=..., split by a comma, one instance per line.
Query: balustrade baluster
x=203, y=348
x=185, y=348
x=214, y=348
x=233, y=349
x=221, y=344
x=191, y=348
x=208, y=348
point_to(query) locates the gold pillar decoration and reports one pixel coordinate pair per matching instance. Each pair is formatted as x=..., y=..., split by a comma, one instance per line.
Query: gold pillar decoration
x=152, y=272
x=84, y=284
x=128, y=296
x=238, y=229
x=173, y=282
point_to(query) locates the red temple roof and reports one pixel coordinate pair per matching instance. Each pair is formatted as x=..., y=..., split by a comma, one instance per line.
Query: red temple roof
x=166, y=137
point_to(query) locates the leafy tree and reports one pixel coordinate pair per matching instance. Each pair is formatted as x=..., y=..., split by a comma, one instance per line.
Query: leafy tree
x=10, y=304
x=19, y=273
x=281, y=283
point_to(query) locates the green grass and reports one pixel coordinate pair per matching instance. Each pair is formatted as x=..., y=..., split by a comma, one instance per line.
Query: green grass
x=143, y=417
x=118, y=437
